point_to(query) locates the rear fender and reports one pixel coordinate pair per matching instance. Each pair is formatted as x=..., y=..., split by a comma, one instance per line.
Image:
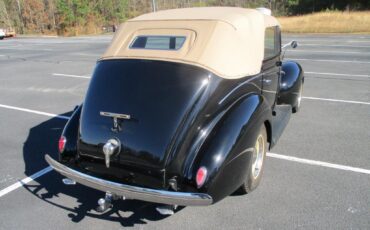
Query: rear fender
x=227, y=150
x=70, y=132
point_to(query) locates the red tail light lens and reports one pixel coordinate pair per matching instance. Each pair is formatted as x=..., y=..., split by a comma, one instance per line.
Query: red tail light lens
x=62, y=143
x=201, y=176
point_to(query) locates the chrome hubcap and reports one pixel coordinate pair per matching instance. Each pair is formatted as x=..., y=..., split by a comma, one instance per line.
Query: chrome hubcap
x=259, y=150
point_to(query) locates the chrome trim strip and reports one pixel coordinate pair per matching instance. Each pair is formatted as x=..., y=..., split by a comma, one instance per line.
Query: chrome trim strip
x=132, y=192
x=241, y=153
x=115, y=115
x=238, y=86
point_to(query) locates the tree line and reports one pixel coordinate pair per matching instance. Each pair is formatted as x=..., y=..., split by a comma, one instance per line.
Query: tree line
x=73, y=17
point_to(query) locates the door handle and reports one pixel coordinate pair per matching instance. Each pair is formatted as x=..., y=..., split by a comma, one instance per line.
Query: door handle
x=267, y=81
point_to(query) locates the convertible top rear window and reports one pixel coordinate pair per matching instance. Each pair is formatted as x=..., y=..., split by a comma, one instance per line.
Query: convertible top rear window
x=158, y=42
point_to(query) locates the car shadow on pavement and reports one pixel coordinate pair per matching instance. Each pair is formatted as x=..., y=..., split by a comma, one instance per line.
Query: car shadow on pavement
x=43, y=139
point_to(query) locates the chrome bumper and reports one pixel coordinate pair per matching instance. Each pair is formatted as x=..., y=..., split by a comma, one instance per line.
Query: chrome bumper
x=132, y=192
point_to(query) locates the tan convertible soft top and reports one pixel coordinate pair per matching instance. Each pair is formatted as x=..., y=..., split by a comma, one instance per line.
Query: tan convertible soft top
x=225, y=40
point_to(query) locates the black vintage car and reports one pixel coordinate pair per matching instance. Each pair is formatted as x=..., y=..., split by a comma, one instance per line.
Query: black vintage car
x=182, y=108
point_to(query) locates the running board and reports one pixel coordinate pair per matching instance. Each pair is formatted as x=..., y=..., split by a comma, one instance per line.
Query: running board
x=279, y=121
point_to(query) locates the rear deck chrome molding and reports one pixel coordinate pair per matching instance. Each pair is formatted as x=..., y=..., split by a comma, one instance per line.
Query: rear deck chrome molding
x=132, y=192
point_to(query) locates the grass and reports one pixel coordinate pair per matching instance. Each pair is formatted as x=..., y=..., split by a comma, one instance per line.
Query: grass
x=328, y=22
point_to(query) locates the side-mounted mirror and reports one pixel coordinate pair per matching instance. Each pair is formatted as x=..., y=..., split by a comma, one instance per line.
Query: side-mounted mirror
x=293, y=44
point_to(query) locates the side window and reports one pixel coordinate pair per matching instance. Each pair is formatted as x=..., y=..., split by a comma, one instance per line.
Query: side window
x=272, y=42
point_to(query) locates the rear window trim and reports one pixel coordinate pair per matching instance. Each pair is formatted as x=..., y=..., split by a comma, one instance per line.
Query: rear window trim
x=158, y=36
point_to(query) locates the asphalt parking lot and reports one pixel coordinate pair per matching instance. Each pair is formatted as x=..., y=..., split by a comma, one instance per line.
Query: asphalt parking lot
x=317, y=177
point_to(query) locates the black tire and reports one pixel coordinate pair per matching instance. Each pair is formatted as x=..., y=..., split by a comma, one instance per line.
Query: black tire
x=1, y=38
x=253, y=179
x=297, y=106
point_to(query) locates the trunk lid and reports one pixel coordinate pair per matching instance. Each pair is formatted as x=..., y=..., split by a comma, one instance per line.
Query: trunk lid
x=156, y=95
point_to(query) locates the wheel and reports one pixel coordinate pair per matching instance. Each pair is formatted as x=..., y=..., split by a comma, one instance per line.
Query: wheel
x=1, y=38
x=255, y=171
x=298, y=105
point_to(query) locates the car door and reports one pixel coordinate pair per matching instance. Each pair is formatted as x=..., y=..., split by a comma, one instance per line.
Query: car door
x=271, y=64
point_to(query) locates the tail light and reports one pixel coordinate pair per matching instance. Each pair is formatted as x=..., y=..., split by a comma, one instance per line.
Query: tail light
x=62, y=143
x=201, y=176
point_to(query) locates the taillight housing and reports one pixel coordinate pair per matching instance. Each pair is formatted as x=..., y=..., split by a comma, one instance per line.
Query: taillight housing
x=62, y=143
x=201, y=176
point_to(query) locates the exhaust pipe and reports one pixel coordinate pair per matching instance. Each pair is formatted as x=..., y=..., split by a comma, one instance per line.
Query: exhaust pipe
x=106, y=203
x=166, y=210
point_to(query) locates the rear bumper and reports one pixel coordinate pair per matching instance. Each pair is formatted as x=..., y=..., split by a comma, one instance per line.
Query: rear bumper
x=132, y=192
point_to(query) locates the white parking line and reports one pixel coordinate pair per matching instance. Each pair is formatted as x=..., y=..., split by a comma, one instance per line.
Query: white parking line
x=338, y=74
x=327, y=45
x=316, y=73
x=327, y=41
x=368, y=41
x=327, y=51
x=24, y=48
x=325, y=60
x=70, y=75
x=319, y=163
x=87, y=55
x=33, y=111
x=24, y=181
x=39, y=173
x=336, y=100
